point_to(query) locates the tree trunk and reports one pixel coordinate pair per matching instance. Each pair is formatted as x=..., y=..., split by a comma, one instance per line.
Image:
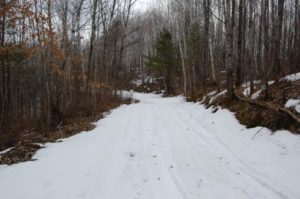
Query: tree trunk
x=213, y=70
x=2, y=42
x=266, y=53
x=239, y=46
x=251, y=45
x=182, y=56
x=228, y=48
x=278, y=34
x=92, y=40
x=206, y=7
x=296, y=47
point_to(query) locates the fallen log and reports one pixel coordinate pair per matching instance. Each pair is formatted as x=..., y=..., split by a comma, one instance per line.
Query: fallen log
x=271, y=106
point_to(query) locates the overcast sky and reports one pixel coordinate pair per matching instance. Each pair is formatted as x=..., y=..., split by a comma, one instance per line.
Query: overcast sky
x=142, y=5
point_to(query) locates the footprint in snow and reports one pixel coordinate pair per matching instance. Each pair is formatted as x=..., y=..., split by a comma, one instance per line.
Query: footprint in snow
x=199, y=183
x=145, y=180
x=132, y=155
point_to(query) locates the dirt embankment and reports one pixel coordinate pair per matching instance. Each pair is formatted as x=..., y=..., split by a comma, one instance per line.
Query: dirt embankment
x=27, y=143
x=258, y=114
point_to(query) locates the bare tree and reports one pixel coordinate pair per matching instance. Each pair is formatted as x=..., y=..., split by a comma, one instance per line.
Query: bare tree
x=239, y=46
x=229, y=10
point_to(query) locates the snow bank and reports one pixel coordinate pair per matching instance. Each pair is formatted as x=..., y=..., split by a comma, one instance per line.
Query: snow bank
x=217, y=95
x=246, y=92
x=162, y=148
x=246, y=87
x=5, y=151
x=148, y=79
x=256, y=94
x=293, y=103
x=137, y=82
x=293, y=77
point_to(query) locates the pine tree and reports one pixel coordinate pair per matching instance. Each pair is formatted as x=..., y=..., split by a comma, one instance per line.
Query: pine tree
x=163, y=59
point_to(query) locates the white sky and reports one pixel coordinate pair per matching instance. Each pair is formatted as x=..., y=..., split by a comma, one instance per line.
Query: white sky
x=142, y=5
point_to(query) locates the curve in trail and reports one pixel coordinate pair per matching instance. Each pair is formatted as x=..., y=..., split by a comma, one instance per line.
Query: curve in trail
x=160, y=148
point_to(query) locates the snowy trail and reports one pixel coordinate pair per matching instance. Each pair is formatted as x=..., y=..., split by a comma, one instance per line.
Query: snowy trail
x=161, y=148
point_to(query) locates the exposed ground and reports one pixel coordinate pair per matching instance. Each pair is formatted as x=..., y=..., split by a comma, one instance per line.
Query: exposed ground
x=281, y=93
x=23, y=145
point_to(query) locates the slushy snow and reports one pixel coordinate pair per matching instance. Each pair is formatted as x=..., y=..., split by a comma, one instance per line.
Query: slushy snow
x=161, y=148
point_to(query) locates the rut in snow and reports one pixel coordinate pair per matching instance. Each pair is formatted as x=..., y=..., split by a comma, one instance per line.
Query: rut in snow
x=157, y=149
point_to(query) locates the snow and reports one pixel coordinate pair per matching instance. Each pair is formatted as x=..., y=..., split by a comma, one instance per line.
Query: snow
x=161, y=148
x=293, y=103
x=5, y=151
x=213, y=98
x=297, y=108
x=255, y=82
x=246, y=86
x=271, y=82
x=246, y=92
x=137, y=82
x=256, y=94
x=148, y=79
x=293, y=77
x=212, y=93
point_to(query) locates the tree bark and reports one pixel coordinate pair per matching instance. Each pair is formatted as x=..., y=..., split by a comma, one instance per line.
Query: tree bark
x=228, y=48
x=206, y=7
x=239, y=46
x=278, y=34
x=251, y=46
x=90, y=66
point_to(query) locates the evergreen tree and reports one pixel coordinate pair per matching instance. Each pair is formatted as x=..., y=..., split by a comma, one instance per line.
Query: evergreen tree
x=164, y=58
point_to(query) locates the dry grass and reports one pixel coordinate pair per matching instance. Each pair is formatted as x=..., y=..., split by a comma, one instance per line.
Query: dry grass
x=24, y=141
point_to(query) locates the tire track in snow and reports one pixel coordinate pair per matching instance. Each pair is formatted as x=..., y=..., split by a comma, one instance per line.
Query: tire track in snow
x=242, y=166
x=130, y=153
x=169, y=160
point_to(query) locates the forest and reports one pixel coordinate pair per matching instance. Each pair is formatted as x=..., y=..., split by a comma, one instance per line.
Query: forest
x=246, y=49
x=149, y=99
x=61, y=60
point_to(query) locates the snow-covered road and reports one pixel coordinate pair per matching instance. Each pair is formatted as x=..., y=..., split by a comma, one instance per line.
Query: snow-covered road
x=161, y=148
